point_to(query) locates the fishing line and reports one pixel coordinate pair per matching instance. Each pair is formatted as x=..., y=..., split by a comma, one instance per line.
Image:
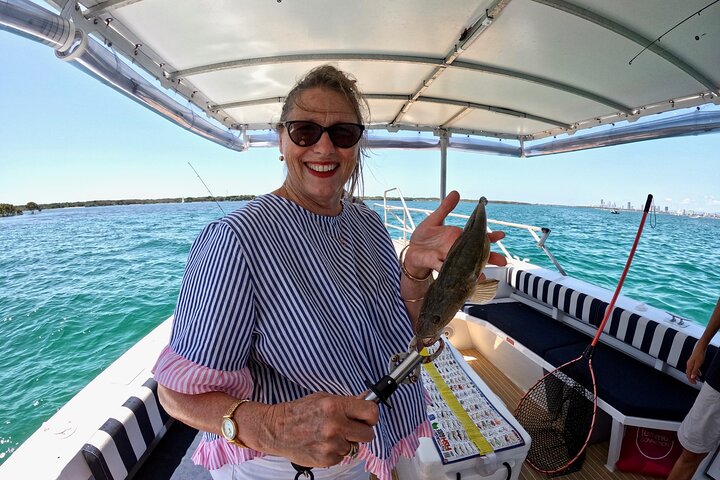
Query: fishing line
x=206, y=188
x=671, y=29
x=653, y=219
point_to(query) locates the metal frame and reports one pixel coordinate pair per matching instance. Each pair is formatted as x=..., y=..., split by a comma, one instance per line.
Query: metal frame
x=97, y=20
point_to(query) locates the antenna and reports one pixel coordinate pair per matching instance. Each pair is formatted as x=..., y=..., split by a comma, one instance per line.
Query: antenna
x=206, y=188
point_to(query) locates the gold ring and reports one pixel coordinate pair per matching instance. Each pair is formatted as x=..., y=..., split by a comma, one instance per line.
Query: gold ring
x=352, y=453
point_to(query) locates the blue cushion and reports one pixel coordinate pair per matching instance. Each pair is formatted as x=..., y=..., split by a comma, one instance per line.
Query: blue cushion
x=533, y=329
x=632, y=387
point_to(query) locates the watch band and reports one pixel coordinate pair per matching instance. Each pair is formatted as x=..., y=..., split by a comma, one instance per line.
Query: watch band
x=229, y=415
x=234, y=406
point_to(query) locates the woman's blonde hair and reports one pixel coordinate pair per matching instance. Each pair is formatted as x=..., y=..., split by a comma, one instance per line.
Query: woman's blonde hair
x=330, y=78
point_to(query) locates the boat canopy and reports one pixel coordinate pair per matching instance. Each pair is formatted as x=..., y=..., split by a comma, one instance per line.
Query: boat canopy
x=509, y=77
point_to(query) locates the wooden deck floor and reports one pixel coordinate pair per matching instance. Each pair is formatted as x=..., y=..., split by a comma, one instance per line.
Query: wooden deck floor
x=594, y=466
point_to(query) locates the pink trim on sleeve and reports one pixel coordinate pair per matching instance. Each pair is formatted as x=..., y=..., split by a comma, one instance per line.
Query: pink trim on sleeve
x=217, y=453
x=406, y=447
x=182, y=375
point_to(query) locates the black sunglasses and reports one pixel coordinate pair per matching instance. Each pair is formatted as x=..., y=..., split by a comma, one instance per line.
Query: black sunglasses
x=304, y=133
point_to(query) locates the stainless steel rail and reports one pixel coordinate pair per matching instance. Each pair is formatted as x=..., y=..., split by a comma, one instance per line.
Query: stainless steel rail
x=404, y=222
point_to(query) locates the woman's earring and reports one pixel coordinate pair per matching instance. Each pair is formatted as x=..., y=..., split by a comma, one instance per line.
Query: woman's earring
x=282, y=158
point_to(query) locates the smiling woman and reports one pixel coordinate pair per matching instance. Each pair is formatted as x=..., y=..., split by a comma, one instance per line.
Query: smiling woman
x=321, y=166
x=303, y=271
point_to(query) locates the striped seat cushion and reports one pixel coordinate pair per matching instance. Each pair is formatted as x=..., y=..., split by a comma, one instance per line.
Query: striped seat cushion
x=649, y=336
x=120, y=443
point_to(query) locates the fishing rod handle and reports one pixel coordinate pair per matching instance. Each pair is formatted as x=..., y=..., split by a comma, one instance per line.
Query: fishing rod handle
x=379, y=392
x=386, y=386
x=648, y=202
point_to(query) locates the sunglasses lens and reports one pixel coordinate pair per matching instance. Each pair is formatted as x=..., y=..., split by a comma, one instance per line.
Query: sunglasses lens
x=304, y=133
x=345, y=135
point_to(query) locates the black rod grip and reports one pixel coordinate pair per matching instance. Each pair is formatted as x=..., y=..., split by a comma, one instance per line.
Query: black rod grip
x=648, y=202
x=384, y=387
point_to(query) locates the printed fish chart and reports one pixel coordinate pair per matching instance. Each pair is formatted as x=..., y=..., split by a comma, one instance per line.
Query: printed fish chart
x=464, y=422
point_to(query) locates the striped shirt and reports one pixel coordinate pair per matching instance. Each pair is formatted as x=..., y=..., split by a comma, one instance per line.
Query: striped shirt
x=278, y=302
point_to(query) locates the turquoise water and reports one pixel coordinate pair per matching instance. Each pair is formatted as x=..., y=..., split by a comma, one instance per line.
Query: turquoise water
x=78, y=287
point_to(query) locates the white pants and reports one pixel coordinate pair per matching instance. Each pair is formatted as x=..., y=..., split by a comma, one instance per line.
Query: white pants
x=278, y=468
x=700, y=431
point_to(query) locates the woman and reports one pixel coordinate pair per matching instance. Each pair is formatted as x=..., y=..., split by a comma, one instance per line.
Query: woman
x=289, y=304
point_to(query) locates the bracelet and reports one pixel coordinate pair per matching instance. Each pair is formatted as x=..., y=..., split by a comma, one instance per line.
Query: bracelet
x=413, y=300
x=407, y=274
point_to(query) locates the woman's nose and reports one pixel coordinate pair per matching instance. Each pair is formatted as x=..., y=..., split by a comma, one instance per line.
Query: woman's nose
x=325, y=144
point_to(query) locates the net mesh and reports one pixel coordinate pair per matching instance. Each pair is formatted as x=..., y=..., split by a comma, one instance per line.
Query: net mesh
x=558, y=413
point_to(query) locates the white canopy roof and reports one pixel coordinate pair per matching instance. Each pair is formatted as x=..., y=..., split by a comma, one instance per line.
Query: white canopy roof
x=511, y=69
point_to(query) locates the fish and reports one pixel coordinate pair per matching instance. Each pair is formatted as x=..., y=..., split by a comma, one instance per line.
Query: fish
x=457, y=280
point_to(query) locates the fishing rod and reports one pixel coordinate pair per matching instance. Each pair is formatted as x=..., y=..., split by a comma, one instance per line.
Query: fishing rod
x=206, y=188
x=559, y=411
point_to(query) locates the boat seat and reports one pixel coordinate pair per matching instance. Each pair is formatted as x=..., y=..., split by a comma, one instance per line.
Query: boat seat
x=118, y=448
x=639, y=362
x=655, y=339
x=633, y=388
x=657, y=395
x=532, y=328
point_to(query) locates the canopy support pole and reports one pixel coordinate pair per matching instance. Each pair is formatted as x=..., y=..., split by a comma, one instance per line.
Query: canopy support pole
x=444, y=136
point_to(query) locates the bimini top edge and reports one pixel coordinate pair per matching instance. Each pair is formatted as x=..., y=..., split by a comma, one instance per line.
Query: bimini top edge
x=496, y=76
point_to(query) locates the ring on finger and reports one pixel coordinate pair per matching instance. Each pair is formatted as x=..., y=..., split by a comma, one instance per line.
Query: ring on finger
x=352, y=453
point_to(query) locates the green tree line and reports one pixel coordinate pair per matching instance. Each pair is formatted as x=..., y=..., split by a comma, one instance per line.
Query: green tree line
x=8, y=210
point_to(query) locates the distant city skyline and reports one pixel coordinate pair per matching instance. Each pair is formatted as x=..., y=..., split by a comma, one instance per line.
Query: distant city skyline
x=67, y=137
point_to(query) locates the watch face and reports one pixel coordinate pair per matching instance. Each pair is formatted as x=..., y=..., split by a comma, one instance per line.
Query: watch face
x=228, y=429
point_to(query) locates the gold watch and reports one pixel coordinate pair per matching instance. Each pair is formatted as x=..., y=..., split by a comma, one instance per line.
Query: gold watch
x=229, y=427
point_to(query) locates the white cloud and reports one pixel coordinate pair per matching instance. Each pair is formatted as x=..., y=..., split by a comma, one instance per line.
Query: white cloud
x=712, y=200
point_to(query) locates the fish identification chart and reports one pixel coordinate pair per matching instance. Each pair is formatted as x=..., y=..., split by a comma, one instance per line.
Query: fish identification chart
x=464, y=422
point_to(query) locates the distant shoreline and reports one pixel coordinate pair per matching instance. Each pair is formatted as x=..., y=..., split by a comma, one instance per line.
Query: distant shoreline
x=20, y=209
x=230, y=198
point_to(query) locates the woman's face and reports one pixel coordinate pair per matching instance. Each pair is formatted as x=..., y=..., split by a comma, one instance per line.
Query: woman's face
x=317, y=174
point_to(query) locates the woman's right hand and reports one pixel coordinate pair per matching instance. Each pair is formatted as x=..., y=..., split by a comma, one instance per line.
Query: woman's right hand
x=317, y=430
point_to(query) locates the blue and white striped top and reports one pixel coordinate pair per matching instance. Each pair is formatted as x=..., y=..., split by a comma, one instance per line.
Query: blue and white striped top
x=304, y=302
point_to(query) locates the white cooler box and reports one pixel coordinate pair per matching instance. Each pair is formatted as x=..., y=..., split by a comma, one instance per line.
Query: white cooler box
x=467, y=419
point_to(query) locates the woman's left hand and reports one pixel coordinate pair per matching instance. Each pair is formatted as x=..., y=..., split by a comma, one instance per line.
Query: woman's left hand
x=431, y=241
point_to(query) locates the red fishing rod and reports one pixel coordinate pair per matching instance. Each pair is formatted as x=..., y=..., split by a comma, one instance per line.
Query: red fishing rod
x=559, y=410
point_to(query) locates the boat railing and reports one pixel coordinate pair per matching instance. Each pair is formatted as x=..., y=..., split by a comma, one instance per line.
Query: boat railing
x=400, y=218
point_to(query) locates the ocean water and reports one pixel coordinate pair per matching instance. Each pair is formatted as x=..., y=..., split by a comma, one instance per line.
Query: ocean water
x=79, y=286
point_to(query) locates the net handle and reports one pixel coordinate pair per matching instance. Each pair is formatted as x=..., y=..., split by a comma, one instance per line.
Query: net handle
x=610, y=307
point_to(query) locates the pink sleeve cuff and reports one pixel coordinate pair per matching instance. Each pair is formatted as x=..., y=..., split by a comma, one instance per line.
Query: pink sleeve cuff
x=181, y=375
x=214, y=454
x=406, y=447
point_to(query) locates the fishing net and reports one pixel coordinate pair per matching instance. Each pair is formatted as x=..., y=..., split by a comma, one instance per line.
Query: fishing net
x=558, y=412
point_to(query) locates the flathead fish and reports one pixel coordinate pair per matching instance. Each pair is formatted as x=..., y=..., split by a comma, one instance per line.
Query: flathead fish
x=458, y=278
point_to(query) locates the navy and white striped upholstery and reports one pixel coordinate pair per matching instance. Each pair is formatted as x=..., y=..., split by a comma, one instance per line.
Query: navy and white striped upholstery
x=120, y=443
x=654, y=338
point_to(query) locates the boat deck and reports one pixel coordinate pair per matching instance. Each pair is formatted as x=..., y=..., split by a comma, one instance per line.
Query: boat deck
x=594, y=466
x=171, y=466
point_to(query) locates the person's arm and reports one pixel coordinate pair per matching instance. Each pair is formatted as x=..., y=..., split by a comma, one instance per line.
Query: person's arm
x=313, y=431
x=698, y=355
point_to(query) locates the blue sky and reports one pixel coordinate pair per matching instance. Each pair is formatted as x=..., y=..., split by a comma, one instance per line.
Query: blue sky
x=64, y=136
